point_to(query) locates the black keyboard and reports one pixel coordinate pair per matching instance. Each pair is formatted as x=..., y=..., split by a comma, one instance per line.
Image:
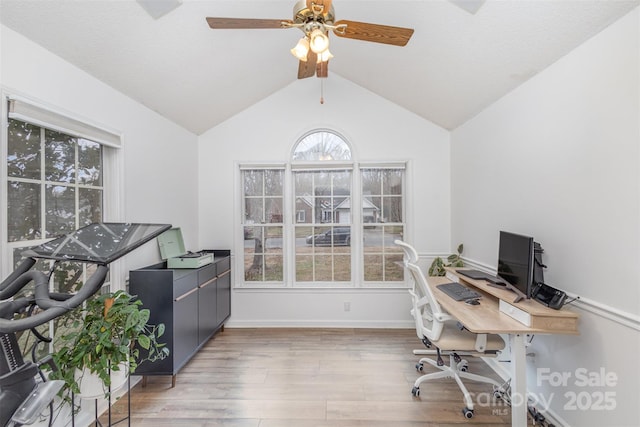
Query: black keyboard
x=458, y=292
x=481, y=275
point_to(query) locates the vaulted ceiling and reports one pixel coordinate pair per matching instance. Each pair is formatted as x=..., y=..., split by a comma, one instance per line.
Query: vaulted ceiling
x=458, y=61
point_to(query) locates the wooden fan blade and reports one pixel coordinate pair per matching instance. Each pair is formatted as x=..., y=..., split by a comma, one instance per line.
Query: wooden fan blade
x=322, y=69
x=308, y=68
x=386, y=34
x=246, y=23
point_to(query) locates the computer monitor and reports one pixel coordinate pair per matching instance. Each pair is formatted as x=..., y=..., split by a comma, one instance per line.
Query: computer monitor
x=516, y=263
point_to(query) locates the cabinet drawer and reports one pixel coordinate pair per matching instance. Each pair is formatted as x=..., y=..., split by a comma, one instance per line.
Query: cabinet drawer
x=184, y=284
x=223, y=265
x=206, y=273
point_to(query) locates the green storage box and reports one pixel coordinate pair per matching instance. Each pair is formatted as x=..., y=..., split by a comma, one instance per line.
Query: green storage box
x=172, y=249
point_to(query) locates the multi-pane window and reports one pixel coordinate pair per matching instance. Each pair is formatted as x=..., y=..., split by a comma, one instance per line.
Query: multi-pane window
x=331, y=223
x=263, y=224
x=323, y=237
x=382, y=223
x=54, y=186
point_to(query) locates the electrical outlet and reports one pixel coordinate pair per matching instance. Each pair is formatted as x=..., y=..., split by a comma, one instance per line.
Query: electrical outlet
x=347, y=306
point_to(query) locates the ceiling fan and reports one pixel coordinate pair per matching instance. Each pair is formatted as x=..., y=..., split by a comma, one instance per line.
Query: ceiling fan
x=315, y=18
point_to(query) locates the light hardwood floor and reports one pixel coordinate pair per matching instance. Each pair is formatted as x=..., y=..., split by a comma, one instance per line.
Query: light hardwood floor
x=309, y=378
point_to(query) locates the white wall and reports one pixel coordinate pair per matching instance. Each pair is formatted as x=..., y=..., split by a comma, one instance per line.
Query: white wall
x=558, y=159
x=570, y=135
x=160, y=158
x=377, y=130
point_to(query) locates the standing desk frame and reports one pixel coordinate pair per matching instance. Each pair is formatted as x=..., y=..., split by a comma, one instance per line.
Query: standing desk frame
x=487, y=318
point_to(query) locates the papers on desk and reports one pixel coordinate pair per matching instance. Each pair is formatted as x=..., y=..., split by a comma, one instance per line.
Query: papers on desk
x=453, y=277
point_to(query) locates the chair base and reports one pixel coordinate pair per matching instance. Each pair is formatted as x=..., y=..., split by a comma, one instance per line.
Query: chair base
x=457, y=371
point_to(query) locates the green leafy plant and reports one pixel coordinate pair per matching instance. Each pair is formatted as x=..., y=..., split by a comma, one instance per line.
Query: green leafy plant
x=453, y=260
x=110, y=330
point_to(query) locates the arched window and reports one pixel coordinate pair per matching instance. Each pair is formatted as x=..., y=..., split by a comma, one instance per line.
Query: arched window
x=322, y=145
x=322, y=171
x=323, y=219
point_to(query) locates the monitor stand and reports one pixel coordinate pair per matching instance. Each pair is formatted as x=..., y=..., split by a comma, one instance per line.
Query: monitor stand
x=506, y=285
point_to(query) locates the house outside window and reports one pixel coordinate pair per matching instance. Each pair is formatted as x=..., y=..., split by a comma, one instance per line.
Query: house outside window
x=336, y=220
x=323, y=250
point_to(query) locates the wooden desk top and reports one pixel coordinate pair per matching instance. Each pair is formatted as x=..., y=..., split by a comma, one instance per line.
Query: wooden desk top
x=486, y=317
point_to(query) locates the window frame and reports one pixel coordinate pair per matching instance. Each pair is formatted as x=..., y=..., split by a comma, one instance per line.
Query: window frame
x=242, y=224
x=112, y=173
x=328, y=167
x=43, y=183
x=384, y=253
x=291, y=214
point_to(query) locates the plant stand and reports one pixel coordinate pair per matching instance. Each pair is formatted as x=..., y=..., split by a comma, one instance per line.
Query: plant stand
x=97, y=422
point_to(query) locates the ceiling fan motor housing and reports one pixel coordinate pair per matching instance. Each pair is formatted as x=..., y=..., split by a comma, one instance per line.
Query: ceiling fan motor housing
x=303, y=14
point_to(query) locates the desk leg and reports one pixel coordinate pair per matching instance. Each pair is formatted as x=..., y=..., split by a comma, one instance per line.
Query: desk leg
x=518, y=380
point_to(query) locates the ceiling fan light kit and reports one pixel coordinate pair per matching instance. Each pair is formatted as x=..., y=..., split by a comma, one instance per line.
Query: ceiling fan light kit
x=301, y=50
x=318, y=41
x=315, y=18
x=324, y=56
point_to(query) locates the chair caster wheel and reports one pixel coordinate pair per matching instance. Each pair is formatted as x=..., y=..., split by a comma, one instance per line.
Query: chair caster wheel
x=464, y=368
x=468, y=413
x=498, y=394
x=415, y=391
x=419, y=367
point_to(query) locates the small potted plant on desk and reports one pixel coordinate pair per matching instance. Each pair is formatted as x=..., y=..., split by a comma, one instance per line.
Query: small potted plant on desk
x=453, y=260
x=103, y=343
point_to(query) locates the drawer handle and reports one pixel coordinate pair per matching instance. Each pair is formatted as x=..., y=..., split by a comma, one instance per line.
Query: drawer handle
x=224, y=274
x=207, y=283
x=183, y=296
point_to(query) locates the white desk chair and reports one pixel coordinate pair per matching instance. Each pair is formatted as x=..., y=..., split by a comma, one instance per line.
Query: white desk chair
x=437, y=328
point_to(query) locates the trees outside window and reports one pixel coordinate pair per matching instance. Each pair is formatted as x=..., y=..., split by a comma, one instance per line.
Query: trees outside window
x=54, y=186
x=382, y=223
x=262, y=224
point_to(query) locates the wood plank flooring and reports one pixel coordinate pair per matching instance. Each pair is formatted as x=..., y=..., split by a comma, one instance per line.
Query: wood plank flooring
x=309, y=378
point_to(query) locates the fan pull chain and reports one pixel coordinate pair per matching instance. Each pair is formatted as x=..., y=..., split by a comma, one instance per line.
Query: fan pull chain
x=321, y=91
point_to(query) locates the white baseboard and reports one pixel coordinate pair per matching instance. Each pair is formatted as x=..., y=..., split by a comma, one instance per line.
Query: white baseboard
x=372, y=324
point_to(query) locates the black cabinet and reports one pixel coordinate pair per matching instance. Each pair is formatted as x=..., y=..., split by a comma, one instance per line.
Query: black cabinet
x=223, y=297
x=207, y=303
x=193, y=304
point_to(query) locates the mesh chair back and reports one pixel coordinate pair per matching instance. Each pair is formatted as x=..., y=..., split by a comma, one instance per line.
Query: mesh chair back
x=425, y=308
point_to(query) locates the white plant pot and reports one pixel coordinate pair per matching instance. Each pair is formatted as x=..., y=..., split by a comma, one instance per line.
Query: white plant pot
x=92, y=387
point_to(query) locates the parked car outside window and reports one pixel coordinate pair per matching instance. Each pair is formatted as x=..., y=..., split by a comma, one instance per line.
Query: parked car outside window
x=335, y=236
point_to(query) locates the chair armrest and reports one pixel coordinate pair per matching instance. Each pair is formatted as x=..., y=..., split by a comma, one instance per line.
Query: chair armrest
x=444, y=317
